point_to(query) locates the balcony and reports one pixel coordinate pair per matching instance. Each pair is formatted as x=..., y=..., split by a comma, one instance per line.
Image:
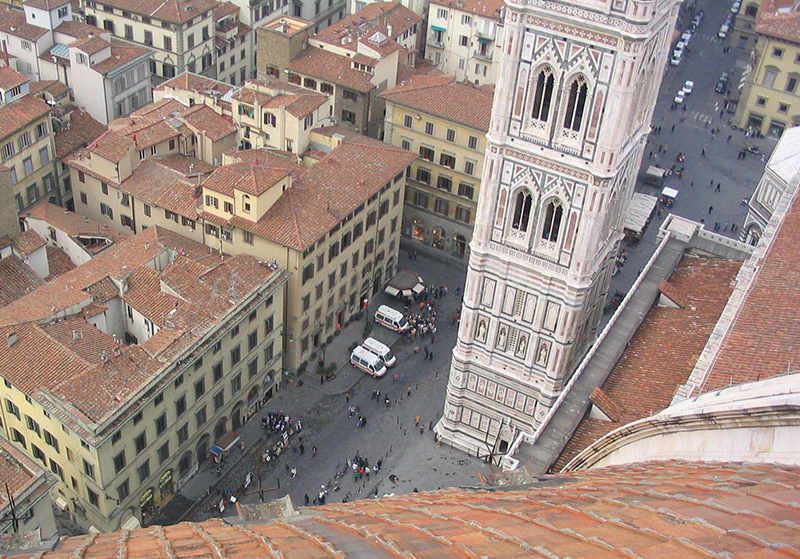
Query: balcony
x=436, y=42
x=487, y=56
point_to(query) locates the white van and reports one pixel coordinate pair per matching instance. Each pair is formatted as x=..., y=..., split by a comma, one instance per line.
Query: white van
x=392, y=319
x=381, y=350
x=367, y=362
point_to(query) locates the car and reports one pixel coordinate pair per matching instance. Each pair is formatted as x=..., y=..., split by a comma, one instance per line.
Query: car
x=722, y=83
x=680, y=45
x=679, y=97
x=675, y=60
x=697, y=20
x=735, y=7
x=687, y=35
x=723, y=31
x=688, y=86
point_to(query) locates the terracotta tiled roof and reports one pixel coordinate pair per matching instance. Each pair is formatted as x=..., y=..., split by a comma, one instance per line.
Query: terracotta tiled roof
x=121, y=54
x=16, y=279
x=186, y=165
x=20, y=113
x=204, y=118
x=372, y=18
x=28, y=242
x=69, y=222
x=658, y=509
x=640, y=385
x=441, y=96
x=53, y=87
x=57, y=262
x=10, y=78
x=90, y=44
x=486, y=8
x=325, y=193
x=65, y=356
x=173, y=11
x=766, y=334
x=330, y=67
x=196, y=82
x=780, y=18
x=13, y=22
x=46, y=4
x=606, y=404
x=160, y=185
x=82, y=129
x=422, y=67
x=112, y=146
x=19, y=471
x=77, y=29
x=253, y=180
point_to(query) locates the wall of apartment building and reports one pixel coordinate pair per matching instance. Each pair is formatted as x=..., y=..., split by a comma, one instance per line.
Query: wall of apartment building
x=46, y=18
x=276, y=49
x=186, y=54
x=127, y=88
x=30, y=186
x=433, y=214
x=770, y=101
x=9, y=223
x=27, y=53
x=287, y=127
x=122, y=479
x=234, y=65
x=147, y=215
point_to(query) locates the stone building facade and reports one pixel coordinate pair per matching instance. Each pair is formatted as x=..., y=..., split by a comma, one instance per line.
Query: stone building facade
x=575, y=94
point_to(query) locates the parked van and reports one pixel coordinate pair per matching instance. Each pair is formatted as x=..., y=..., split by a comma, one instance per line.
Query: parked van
x=367, y=362
x=381, y=350
x=392, y=319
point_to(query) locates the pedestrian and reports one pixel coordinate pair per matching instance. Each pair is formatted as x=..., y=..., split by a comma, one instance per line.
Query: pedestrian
x=703, y=152
x=719, y=185
x=729, y=137
x=431, y=356
x=347, y=396
x=306, y=500
x=302, y=449
x=322, y=379
x=409, y=390
x=426, y=352
x=651, y=154
x=710, y=209
x=313, y=451
x=416, y=421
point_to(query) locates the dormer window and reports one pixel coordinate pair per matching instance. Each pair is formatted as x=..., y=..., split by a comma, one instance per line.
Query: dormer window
x=246, y=203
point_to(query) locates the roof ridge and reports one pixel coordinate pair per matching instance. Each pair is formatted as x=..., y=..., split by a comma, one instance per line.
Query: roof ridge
x=295, y=222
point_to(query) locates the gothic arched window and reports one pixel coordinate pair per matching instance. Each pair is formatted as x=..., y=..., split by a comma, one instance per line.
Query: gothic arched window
x=543, y=95
x=552, y=221
x=522, y=211
x=576, y=103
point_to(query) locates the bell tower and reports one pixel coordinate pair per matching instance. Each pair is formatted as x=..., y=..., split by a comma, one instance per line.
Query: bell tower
x=577, y=85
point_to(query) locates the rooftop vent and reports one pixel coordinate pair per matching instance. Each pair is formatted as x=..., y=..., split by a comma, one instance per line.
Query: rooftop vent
x=11, y=339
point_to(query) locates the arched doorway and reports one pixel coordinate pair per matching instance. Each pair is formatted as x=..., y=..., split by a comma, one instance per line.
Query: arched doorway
x=377, y=281
x=221, y=428
x=236, y=415
x=147, y=506
x=437, y=238
x=459, y=245
x=185, y=463
x=202, y=448
x=418, y=230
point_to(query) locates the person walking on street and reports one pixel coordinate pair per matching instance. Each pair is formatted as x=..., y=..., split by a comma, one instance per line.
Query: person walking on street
x=313, y=451
x=710, y=209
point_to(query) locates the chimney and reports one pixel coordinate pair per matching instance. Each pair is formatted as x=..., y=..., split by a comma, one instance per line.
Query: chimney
x=104, y=357
x=389, y=31
x=11, y=339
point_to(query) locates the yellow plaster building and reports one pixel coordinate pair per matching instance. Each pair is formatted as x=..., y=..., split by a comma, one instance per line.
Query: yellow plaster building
x=770, y=101
x=445, y=122
x=119, y=375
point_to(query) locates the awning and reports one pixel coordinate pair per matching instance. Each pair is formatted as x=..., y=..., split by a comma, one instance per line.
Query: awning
x=485, y=40
x=435, y=28
x=227, y=442
x=669, y=192
x=404, y=283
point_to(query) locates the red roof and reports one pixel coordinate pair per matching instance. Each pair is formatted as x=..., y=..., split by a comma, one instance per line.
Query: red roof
x=681, y=510
x=20, y=113
x=173, y=11
x=13, y=22
x=10, y=78
x=330, y=67
x=83, y=128
x=781, y=19
x=640, y=385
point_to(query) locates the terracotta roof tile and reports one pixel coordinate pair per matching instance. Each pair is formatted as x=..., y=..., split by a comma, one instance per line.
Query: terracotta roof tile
x=204, y=118
x=196, y=82
x=53, y=87
x=160, y=185
x=439, y=95
x=486, y=8
x=173, y=11
x=90, y=44
x=77, y=28
x=330, y=67
x=28, y=242
x=19, y=471
x=13, y=22
x=186, y=165
x=83, y=129
x=780, y=18
x=656, y=509
x=10, y=78
x=322, y=195
x=16, y=279
x=21, y=113
x=372, y=18
x=767, y=327
x=640, y=385
x=69, y=222
x=58, y=262
x=121, y=54
x=112, y=146
x=46, y=4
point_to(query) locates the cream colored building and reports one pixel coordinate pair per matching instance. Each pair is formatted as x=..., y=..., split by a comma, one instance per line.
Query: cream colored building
x=278, y=115
x=464, y=38
x=234, y=43
x=445, y=122
x=27, y=149
x=178, y=351
x=181, y=33
x=770, y=98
